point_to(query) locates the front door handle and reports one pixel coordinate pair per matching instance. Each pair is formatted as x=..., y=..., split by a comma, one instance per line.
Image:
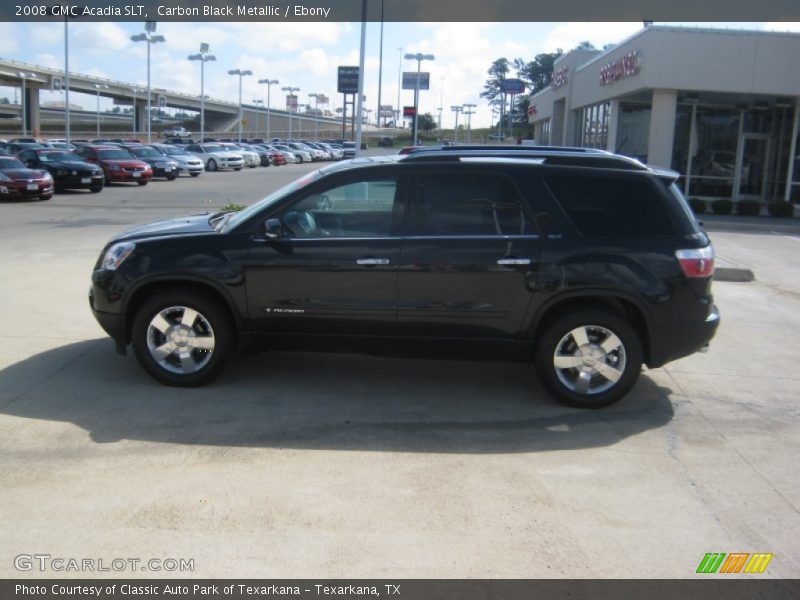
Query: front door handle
x=369, y=260
x=514, y=260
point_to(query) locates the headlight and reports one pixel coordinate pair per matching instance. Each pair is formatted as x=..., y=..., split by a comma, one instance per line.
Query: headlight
x=4, y=177
x=61, y=173
x=116, y=255
x=114, y=167
x=46, y=176
x=161, y=165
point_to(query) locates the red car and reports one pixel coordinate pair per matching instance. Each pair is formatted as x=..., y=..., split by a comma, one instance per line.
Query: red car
x=117, y=164
x=18, y=181
x=278, y=158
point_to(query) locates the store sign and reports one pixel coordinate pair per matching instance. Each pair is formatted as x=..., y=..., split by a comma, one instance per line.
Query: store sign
x=623, y=67
x=559, y=78
x=387, y=110
x=409, y=111
x=512, y=86
x=410, y=79
x=291, y=103
x=532, y=110
x=347, y=82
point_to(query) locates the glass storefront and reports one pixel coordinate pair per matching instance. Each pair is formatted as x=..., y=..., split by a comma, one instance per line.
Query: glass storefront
x=543, y=133
x=633, y=130
x=592, y=126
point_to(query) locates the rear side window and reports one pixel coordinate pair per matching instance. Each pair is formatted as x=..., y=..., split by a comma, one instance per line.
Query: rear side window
x=605, y=206
x=459, y=204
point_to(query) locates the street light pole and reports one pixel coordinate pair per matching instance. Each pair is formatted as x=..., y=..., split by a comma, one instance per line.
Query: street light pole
x=203, y=57
x=469, y=112
x=419, y=57
x=258, y=102
x=241, y=73
x=457, y=110
x=149, y=37
x=66, y=79
x=291, y=91
x=268, y=83
x=399, y=85
x=315, y=96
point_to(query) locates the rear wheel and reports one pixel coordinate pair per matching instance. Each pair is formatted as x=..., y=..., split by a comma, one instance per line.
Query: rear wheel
x=194, y=174
x=182, y=338
x=589, y=359
x=142, y=182
x=96, y=189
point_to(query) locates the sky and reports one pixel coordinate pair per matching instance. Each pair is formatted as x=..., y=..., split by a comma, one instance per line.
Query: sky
x=306, y=55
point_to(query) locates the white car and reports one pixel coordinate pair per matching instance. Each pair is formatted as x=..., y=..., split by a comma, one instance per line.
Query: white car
x=251, y=159
x=215, y=157
x=303, y=155
x=187, y=163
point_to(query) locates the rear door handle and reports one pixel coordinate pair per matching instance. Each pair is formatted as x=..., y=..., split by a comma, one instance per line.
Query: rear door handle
x=513, y=260
x=369, y=260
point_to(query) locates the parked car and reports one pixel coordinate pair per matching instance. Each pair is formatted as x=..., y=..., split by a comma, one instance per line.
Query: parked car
x=178, y=141
x=311, y=151
x=302, y=154
x=13, y=147
x=385, y=142
x=349, y=149
x=176, y=132
x=278, y=158
x=292, y=155
x=215, y=157
x=68, y=170
x=161, y=165
x=118, y=164
x=251, y=159
x=497, y=137
x=265, y=157
x=187, y=163
x=336, y=152
x=584, y=263
x=17, y=181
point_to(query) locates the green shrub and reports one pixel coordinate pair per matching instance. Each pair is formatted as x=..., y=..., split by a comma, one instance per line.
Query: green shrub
x=233, y=206
x=723, y=206
x=780, y=209
x=698, y=205
x=748, y=208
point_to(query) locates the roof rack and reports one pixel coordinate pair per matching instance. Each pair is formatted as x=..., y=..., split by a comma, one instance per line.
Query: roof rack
x=549, y=155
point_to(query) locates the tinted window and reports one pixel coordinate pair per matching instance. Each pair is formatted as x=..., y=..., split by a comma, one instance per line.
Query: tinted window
x=10, y=163
x=361, y=209
x=601, y=206
x=458, y=204
x=114, y=154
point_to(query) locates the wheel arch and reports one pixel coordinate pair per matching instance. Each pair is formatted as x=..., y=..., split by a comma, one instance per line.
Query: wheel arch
x=623, y=305
x=146, y=289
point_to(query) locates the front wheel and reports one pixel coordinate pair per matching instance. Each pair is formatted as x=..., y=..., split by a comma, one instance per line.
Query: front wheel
x=237, y=168
x=589, y=359
x=171, y=177
x=194, y=174
x=96, y=189
x=182, y=338
x=212, y=165
x=142, y=182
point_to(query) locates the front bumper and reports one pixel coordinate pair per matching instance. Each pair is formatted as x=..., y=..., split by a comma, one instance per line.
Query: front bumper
x=14, y=189
x=672, y=341
x=75, y=182
x=113, y=324
x=129, y=175
x=185, y=168
x=165, y=171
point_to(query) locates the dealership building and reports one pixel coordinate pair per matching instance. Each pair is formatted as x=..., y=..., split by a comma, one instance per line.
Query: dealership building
x=721, y=107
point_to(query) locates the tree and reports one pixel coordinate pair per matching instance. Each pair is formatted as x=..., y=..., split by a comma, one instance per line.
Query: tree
x=426, y=122
x=537, y=73
x=586, y=45
x=497, y=72
x=4, y=100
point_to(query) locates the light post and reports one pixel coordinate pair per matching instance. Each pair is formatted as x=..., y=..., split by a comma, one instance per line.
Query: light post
x=98, y=87
x=241, y=73
x=291, y=91
x=203, y=56
x=399, y=86
x=149, y=37
x=315, y=96
x=457, y=110
x=368, y=112
x=23, y=75
x=135, y=91
x=469, y=112
x=269, y=83
x=66, y=80
x=260, y=103
x=419, y=57
x=441, y=103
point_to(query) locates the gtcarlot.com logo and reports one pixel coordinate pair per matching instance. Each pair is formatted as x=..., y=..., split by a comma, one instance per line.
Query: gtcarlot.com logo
x=735, y=562
x=46, y=562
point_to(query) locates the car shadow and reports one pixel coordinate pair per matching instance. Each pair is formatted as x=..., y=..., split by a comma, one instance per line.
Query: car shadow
x=321, y=401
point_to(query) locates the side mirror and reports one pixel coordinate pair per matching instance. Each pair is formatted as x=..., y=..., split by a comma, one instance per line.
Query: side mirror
x=273, y=229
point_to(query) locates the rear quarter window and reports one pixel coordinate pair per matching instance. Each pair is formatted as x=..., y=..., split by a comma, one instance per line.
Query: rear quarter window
x=608, y=206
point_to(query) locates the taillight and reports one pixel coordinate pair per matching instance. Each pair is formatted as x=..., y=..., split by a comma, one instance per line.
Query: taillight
x=697, y=262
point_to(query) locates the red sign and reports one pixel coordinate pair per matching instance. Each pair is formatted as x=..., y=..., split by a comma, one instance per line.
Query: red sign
x=623, y=67
x=409, y=111
x=531, y=110
x=559, y=77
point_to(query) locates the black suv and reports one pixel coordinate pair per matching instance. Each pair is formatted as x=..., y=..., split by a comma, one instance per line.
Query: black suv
x=582, y=262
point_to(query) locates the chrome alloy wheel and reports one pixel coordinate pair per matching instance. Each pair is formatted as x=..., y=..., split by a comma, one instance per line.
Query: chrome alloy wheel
x=589, y=359
x=180, y=340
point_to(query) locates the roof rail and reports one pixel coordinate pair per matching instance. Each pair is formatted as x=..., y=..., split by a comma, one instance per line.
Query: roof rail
x=549, y=155
x=506, y=147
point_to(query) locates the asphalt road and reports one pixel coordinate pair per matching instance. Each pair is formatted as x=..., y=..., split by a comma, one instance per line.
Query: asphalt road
x=348, y=466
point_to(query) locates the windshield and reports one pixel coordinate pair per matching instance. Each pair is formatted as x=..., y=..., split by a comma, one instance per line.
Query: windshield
x=114, y=154
x=62, y=156
x=146, y=152
x=172, y=151
x=243, y=215
x=11, y=163
x=213, y=148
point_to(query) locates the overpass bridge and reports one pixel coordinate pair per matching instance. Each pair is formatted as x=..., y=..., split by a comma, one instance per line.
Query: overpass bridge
x=221, y=115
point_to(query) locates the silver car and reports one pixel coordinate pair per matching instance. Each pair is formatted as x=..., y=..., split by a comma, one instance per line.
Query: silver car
x=187, y=163
x=251, y=159
x=215, y=157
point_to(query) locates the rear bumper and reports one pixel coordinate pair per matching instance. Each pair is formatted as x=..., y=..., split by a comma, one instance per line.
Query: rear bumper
x=676, y=340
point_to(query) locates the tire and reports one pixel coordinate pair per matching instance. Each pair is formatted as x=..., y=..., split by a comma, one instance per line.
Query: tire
x=96, y=189
x=194, y=174
x=237, y=168
x=161, y=317
x=171, y=177
x=584, y=385
x=140, y=182
x=212, y=165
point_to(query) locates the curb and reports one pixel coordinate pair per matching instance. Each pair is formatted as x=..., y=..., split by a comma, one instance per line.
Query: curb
x=733, y=275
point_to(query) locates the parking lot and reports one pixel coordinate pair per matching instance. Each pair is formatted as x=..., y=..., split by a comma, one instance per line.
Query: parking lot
x=319, y=465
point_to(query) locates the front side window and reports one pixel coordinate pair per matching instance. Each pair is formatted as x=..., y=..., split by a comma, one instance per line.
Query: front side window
x=359, y=209
x=468, y=205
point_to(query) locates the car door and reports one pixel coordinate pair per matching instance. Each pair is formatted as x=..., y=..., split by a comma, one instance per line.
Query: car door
x=333, y=272
x=469, y=257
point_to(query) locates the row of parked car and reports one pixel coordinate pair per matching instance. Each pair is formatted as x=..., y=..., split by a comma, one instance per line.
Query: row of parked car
x=31, y=168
